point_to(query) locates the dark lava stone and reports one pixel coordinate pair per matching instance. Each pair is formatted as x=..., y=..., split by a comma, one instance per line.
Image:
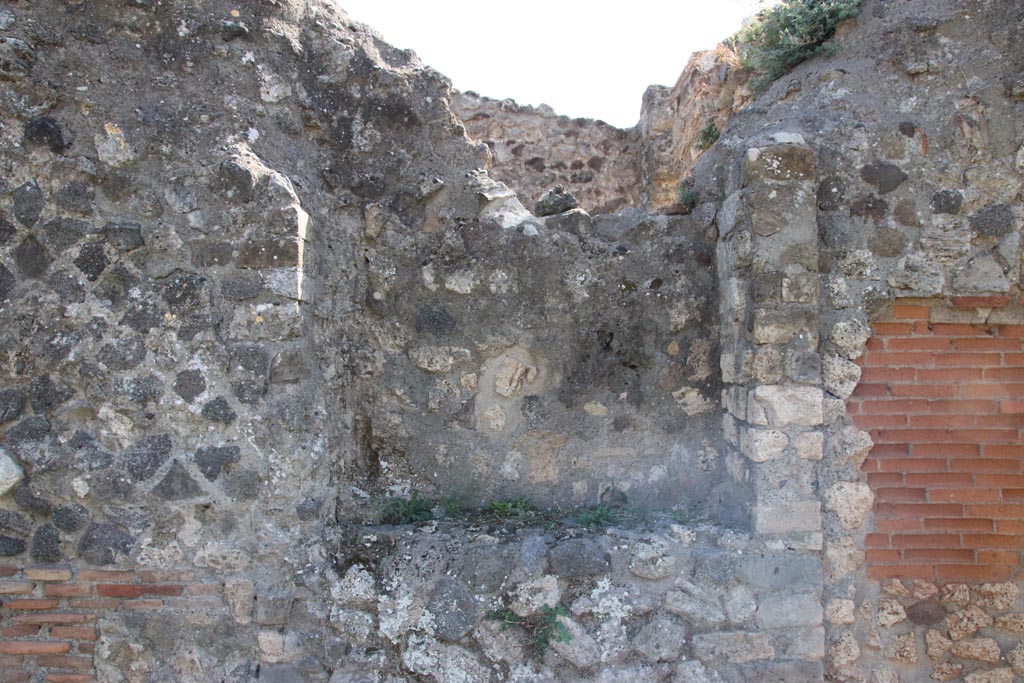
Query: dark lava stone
x=9, y=546
x=251, y=357
x=831, y=193
x=188, y=384
x=123, y=354
x=60, y=234
x=31, y=257
x=886, y=177
x=218, y=410
x=76, y=196
x=14, y=522
x=146, y=456
x=28, y=203
x=7, y=231
x=177, y=484
x=243, y=485
x=34, y=428
x=182, y=290
x=27, y=499
x=992, y=221
x=211, y=459
x=101, y=543
x=7, y=282
x=45, y=132
x=123, y=236
x=12, y=402
x=435, y=320
x=70, y=518
x=947, y=201
x=926, y=612
x=307, y=509
x=46, y=545
x=92, y=260
x=45, y=394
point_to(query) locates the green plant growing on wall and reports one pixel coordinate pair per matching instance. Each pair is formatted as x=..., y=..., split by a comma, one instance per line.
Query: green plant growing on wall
x=512, y=509
x=544, y=628
x=406, y=510
x=707, y=136
x=788, y=33
x=600, y=515
x=686, y=196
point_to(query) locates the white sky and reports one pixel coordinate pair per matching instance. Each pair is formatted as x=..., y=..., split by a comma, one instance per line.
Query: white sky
x=581, y=60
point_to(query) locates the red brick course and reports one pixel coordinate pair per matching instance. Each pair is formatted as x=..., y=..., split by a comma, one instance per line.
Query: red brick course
x=944, y=404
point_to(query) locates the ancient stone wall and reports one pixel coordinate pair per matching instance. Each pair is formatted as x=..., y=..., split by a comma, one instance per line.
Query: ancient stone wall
x=275, y=295
x=533, y=149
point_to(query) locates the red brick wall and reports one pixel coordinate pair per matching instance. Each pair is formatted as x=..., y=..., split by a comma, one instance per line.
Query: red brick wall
x=48, y=617
x=944, y=403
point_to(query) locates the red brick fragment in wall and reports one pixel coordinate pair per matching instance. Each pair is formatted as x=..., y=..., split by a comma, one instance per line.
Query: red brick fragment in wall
x=944, y=404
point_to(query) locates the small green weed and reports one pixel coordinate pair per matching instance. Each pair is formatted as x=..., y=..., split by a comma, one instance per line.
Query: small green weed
x=406, y=510
x=685, y=194
x=512, y=508
x=543, y=628
x=707, y=136
x=788, y=33
x=597, y=516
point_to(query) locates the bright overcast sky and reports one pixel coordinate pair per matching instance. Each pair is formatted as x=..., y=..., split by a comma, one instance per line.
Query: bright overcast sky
x=581, y=60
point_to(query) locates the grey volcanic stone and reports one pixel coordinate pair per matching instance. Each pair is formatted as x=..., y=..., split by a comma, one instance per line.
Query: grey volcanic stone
x=454, y=607
x=177, y=484
x=578, y=557
x=27, y=499
x=92, y=260
x=28, y=203
x=123, y=236
x=886, y=177
x=76, y=196
x=45, y=132
x=7, y=282
x=9, y=547
x=60, y=234
x=101, y=543
x=12, y=402
x=188, y=384
x=34, y=428
x=46, y=394
x=435, y=320
x=7, y=231
x=183, y=290
x=123, y=354
x=219, y=410
x=242, y=485
x=14, y=522
x=211, y=459
x=146, y=456
x=556, y=200
x=46, y=545
x=31, y=258
x=70, y=518
x=992, y=221
x=947, y=201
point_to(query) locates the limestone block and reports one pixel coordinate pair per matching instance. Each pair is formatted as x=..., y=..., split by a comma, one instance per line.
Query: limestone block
x=773, y=326
x=438, y=359
x=1011, y=623
x=733, y=647
x=917, y=275
x=580, y=649
x=981, y=649
x=903, y=648
x=842, y=556
x=946, y=671
x=802, y=643
x=761, y=445
x=936, y=644
x=996, y=596
x=786, y=611
x=788, y=518
x=240, y=595
x=740, y=604
x=850, y=501
x=981, y=275
x=839, y=611
x=781, y=405
x=529, y=597
x=1015, y=658
x=839, y=375
x=967, y=621
x=809, y=445
x=849, y=336
x=890, y=612
x=698, y=606
x=661, y=639
x=1004, y=675
x=10, y=472
x=851, y=444
x=844, y=650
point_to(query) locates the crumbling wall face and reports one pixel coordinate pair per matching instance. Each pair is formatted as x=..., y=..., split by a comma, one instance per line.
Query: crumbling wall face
x=533, y=149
